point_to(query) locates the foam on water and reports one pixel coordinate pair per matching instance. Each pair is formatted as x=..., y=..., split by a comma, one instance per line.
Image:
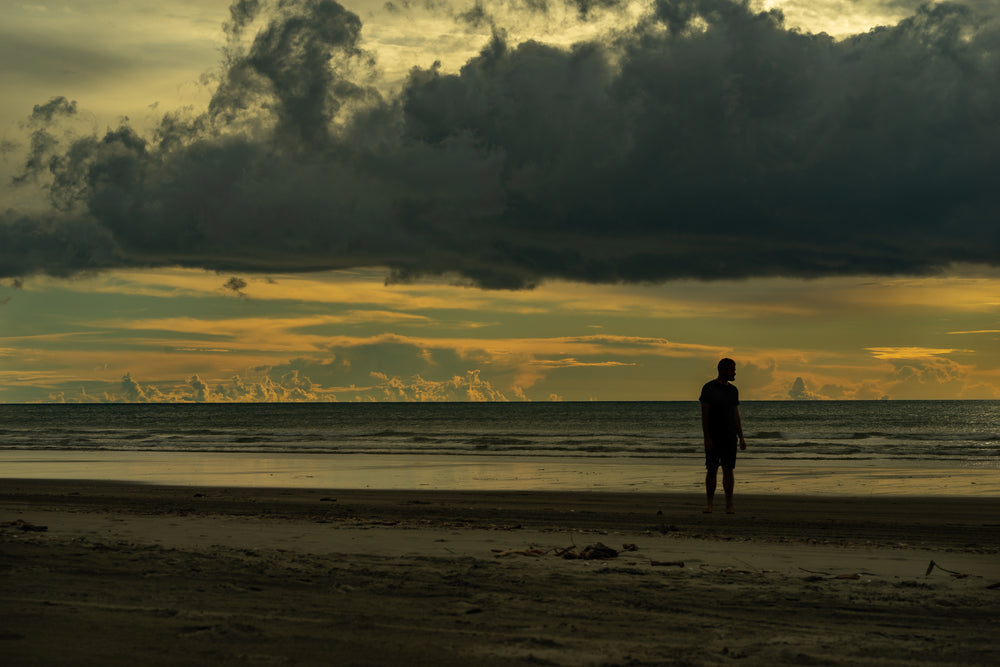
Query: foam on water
x=641, y=446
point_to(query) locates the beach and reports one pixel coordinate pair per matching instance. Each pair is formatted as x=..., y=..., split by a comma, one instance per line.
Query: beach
x=103, y=573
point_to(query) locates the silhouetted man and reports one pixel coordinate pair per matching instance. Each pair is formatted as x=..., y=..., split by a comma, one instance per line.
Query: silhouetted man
x=720, y=423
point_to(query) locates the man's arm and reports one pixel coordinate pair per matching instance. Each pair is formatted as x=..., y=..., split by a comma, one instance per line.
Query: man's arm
x=739, y=427
x=704, y=425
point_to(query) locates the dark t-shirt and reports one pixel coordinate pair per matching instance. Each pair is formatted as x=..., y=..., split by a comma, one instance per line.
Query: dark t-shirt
x=722, y=400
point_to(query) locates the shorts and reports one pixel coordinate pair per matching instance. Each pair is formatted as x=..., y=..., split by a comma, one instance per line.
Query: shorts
x=721, y=456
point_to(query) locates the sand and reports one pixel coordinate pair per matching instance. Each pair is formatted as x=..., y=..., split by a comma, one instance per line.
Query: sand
x=156, y=575
x=501, y=473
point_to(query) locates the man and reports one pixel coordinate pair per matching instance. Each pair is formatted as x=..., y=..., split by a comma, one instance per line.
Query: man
x=721, y=426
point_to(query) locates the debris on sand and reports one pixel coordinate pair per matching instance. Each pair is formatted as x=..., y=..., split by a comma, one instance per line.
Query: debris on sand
x=930, y=568
x=21, y=524
x=534, y=553
x=597, y=551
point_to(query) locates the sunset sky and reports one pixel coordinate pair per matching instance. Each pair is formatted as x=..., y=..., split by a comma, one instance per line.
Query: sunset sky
x=519, y=200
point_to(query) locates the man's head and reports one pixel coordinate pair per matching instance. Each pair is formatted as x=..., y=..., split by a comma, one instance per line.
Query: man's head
x=727, y=369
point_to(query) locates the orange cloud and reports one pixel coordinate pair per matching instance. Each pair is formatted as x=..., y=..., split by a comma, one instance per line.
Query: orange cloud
x=575, y=363
x=908, y=352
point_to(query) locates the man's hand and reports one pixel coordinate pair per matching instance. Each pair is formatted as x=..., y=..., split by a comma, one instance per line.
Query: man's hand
x=743, y=443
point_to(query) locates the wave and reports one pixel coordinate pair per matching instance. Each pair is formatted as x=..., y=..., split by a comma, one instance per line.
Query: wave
x=932, y=431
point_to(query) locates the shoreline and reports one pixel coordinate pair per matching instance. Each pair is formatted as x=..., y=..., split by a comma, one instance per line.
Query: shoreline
x=499, y=473
x=171, y=575
x=953, y=523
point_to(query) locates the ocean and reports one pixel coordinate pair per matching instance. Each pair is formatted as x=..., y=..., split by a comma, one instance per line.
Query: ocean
x=965, y=433
x=375, y=443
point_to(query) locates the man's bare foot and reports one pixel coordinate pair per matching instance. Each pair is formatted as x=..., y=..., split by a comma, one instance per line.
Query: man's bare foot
x=730, y=509
x=707, y=510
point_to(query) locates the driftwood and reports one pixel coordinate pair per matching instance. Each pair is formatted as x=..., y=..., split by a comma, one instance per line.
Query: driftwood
x=534, y=553
x=667, y=563
x=930, y=568
x=851, y=575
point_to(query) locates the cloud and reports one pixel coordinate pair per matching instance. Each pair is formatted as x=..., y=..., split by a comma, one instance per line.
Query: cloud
x=236, y=285
x=202, y=391
x=259, y=386
x=906, y=374
x=54, y=108
x=799, y=391
x=468, y=387
x=908, y=352
x=932, y=377
x=576, y=363
x=706, y=141
x=132, y=391
x=288, y=387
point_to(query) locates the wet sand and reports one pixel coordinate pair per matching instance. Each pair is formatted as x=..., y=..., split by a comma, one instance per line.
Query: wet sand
x=499, y=473
x=117, y=573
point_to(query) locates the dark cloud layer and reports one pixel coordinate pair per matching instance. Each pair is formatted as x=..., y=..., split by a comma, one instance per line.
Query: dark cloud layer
x=710, y=141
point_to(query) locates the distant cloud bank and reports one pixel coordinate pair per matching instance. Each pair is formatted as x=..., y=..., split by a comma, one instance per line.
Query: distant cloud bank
x=706, y=141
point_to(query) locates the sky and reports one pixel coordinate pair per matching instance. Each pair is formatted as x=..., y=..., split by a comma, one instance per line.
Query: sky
x=305, y=200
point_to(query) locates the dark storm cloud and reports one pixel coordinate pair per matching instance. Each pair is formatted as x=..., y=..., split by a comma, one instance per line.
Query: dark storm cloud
x=62, y=246
x=57, y=106
x=482, y=13
x=710, y=141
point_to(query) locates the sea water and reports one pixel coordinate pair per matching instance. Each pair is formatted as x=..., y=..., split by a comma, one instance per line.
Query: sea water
x=557, y=444
x=962, y=432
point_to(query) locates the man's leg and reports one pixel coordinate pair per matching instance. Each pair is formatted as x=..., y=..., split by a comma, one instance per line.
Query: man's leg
x=710, y=482
x=728, y=484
